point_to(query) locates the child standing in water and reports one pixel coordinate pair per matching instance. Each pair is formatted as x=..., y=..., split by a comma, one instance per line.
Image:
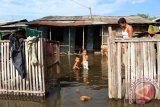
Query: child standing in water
x=85, y=59
x=77, y=63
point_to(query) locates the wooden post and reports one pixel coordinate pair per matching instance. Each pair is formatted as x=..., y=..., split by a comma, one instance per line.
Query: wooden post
x=69, y=41
x=119, y=70
x=102, y=36
x=111, y=65
x=158, y=67
x=50, y=33
x=128, y=71
x=83, y=38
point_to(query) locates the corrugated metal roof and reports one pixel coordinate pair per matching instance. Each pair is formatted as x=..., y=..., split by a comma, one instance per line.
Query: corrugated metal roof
x=14, y=25
x=156, y=20
x=87, y=20
x=19, y=23
x=64, y=23
x=4, y=22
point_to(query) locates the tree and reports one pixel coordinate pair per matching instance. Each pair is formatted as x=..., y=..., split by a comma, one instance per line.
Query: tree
x=147, y=16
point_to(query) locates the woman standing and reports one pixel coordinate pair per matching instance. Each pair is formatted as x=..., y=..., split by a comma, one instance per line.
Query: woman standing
x=127, y=30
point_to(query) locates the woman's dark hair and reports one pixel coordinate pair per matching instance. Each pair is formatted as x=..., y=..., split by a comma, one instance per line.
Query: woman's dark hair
x=122, y=20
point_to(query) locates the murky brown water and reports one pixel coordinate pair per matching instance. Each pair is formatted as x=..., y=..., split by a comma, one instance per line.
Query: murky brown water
x=73, y=84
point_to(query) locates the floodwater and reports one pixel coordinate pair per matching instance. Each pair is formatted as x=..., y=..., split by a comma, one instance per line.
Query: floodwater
x=73, y=84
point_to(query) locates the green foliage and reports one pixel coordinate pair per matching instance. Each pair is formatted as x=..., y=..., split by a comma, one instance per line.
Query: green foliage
x=147, y=16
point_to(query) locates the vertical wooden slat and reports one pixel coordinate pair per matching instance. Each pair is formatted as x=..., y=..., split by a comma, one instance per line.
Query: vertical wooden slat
x=128, y=72
x=154, y=61
x=20, y=84
x=141, y=60
x=43, y=69
x=30, y=73
x=14, y=76
x=5, y=67
x=158, y=67
x=33, y=78
x=11, y=68
x=119, y=70
x=17, y=82
x=109, y=67
x=133, y=65
x=150, y=70
x=39, y=65
x=114, y=72
x=24, y=79
x=8, y=66
x=27, y=66
x=36, y=70
x=138, y=61
x=1, y=65
x=145, y=57
x=112, y=66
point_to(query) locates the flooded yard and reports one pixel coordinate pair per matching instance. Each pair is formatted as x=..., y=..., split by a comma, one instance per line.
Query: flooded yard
x=73, y=84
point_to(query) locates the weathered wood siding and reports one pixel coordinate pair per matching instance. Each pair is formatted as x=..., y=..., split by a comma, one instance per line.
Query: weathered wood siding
x=130, y=61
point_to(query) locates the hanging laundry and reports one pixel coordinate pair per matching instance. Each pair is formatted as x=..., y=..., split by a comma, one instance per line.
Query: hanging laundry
x=18, y=54
x=153, y=29
x=32, y=32
x=32, y=49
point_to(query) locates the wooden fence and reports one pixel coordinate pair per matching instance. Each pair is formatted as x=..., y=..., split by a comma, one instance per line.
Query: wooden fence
x=132, y=61
x=35, y=83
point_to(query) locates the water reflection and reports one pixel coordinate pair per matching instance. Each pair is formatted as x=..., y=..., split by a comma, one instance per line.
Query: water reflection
x=56, y=102
x=85, y=76
x=73, y=84
x=15, y=103
x=77, y=83
x=76, y=75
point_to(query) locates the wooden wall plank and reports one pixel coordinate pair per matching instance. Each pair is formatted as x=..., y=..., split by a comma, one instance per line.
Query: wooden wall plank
x=119, y=70
x=109, y=67
x=145, y=57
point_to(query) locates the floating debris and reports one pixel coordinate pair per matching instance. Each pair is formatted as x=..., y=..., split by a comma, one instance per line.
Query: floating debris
x=85, y=98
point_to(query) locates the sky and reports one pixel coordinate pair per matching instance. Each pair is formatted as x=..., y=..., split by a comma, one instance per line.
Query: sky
x=34, y=9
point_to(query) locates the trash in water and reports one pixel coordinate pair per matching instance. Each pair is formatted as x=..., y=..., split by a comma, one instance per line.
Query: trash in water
x=85, y=98
x=77, y=91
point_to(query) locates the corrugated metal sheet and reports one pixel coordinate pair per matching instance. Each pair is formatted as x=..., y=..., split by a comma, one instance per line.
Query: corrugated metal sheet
x=19, y=23
x=87, y=20
x=55, y=23
x=4, y=22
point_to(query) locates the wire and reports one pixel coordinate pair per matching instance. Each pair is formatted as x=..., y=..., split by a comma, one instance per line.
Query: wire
x=90, y=10
x=80, y=4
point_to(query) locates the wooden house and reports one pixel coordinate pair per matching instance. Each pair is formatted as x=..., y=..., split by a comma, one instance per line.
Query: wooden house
x=84, y=32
